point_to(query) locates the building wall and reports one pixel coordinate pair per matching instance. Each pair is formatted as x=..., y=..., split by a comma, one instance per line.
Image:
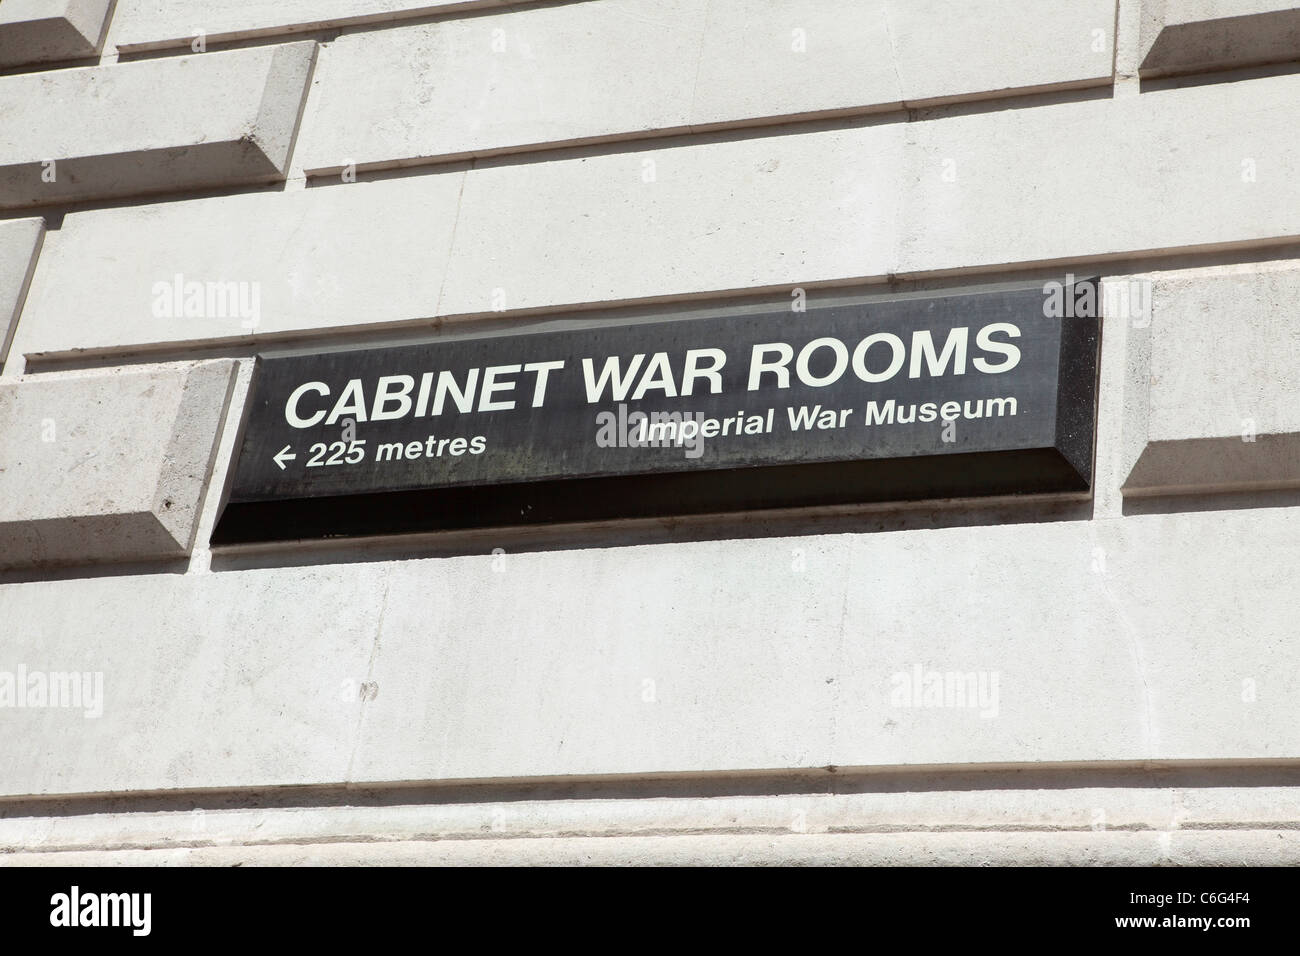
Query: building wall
x=719, y=689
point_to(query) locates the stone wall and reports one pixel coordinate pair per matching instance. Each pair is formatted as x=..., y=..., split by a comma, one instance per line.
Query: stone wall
x=712, y=690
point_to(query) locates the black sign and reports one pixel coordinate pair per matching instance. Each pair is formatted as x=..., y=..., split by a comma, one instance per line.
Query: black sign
x=900, y=399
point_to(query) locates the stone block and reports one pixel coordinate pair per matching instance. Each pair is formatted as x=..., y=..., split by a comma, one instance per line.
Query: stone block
x=1194, y=36
x=45, y=31
x=107, y=467
x=163, y=24
x=1221, y=411
x=20, y=242
x=213, y=119
x=620, y=69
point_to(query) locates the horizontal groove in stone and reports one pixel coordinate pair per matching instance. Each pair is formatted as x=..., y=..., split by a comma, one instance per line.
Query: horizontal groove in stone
x=723, y=131
x=1009, y=810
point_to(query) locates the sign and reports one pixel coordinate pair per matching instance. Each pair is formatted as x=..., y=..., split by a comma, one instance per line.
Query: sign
x=900, y=399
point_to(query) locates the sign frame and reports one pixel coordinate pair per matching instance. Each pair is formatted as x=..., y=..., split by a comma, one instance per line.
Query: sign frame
x=265, y=503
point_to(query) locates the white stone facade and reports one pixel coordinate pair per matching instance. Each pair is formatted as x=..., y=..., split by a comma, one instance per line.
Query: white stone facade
x=748, y=688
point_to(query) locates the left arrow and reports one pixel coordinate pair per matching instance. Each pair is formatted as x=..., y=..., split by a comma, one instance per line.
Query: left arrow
x=281, y=457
